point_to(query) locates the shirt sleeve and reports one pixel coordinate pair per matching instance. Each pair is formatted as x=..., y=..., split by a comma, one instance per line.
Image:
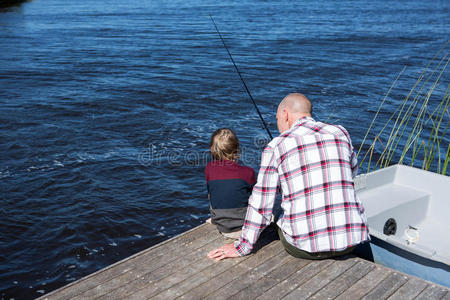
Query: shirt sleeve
x=353, y=158
x=354, y=162
x=260, y=204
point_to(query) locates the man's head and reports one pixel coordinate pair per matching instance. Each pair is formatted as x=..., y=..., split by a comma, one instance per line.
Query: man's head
x=293, y=107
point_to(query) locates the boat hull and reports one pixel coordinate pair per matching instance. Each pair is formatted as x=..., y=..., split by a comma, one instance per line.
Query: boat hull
x=396, y=258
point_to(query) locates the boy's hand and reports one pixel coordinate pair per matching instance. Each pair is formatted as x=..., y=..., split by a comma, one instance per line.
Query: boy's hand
x=223, y=252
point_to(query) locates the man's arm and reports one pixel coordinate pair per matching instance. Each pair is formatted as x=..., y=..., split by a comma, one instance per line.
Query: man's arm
x=259, y=210
x=354, y=163
x=261, y=202
x=353, y=158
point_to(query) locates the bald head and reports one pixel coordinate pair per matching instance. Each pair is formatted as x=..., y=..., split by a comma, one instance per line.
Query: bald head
x=296, y=103
x=293, y=107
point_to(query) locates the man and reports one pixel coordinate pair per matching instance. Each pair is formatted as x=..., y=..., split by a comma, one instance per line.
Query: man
x=313, y=163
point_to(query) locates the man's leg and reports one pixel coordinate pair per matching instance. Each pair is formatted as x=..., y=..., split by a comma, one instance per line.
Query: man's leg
x=295, y=252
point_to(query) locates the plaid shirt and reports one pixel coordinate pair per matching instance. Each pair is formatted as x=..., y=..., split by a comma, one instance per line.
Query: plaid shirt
x=314, y=164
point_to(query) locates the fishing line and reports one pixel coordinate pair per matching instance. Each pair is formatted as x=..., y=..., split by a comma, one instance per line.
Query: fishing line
x=242, y=79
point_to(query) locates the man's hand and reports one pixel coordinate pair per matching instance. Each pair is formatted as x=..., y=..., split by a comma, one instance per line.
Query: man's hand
x=223, y=252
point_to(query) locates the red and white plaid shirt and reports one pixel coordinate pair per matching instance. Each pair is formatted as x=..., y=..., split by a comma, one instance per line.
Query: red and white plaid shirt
x=314, y=164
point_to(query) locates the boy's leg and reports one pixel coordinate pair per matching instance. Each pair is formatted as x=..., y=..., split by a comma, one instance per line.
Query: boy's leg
x=232, y=235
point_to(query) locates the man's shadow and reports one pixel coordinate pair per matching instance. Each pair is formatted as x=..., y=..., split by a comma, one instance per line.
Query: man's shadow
x=269, y=235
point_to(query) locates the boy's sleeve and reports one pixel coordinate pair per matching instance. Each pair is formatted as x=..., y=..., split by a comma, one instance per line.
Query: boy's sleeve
x=253, y=177
x=207, y=179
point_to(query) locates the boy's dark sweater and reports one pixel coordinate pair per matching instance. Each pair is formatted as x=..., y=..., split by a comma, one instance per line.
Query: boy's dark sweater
x=229, y=186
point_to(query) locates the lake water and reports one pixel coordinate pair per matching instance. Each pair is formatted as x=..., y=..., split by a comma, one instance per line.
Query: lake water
x=106, y=109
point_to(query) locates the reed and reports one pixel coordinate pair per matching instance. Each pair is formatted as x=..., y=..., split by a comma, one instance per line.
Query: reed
x=415, y=132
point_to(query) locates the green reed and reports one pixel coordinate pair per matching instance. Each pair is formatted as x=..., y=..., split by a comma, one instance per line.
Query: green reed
x=414, y=133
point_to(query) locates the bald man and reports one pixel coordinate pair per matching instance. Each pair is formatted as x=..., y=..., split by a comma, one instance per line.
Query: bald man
x=313, y=164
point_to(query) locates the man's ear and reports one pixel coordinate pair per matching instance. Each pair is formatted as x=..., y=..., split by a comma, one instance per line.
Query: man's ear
x=285, y=115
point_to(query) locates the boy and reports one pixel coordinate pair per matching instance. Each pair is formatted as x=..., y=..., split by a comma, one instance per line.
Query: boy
x=229, y=184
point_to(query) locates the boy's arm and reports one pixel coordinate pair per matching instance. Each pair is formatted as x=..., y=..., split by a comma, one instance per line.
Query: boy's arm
x=212, y=213
x=253, y=178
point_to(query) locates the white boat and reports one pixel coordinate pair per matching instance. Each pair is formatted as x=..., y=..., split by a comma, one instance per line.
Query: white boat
x=408, y=211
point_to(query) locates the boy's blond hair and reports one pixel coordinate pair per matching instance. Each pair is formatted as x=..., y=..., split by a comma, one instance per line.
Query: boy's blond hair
x=224, y=145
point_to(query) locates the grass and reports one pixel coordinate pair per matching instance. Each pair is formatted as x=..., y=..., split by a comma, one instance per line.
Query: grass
x=415, y=132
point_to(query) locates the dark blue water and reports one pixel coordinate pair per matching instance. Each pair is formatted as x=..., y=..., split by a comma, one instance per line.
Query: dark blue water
x=106, y=108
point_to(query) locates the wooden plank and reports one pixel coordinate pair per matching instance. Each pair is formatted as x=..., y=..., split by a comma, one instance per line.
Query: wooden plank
x=272, y=278
x=345, y=280
x=145, y=265
x=247, y=278
x=284, y=287
x=207, y=274
x=152, y=282
x=387, y=286
x=433, y=292
x=195, y=280
x=199, y=263
x=127, y=264
x=222, y=279
x=410, y=289
x=365, y=285
x=324, y=277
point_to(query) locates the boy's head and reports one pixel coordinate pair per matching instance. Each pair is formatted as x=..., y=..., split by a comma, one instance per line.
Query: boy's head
x=224, y=145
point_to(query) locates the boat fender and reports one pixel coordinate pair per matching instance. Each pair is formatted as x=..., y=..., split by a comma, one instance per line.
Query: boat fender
x=390, y=227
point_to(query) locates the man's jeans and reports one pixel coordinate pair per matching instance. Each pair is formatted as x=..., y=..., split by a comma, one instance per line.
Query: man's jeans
x=295, y=252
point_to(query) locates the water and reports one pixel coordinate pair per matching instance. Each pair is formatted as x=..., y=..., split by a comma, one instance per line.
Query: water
x=106, y=109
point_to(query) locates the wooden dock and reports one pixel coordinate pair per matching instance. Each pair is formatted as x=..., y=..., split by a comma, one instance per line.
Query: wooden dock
x=179, y=268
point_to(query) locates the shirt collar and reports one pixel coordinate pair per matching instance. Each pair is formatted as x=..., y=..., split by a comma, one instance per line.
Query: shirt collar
x=302, y=120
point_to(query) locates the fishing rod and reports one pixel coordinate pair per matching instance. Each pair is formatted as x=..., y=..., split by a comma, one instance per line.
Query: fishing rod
x=242, y=79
